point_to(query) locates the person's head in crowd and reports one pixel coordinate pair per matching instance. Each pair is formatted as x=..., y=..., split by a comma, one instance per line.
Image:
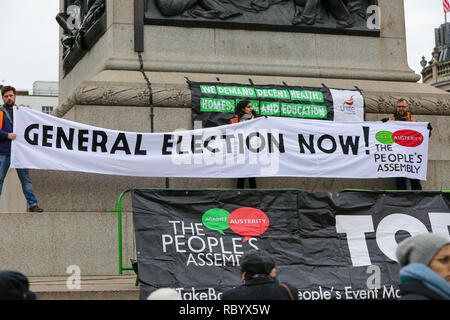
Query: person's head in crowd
x=244, y=107
x=402, y=110
x=164, y=294
x=257, y=264
x=15, y=286
x=8, y=95
x=259, y=280
x=429, y=249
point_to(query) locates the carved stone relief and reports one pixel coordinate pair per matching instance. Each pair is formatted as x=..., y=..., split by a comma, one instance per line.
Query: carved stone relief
x=320, y=15
x=83, y=22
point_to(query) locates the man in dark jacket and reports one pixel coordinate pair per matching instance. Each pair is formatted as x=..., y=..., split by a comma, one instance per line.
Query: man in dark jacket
x=259, y=280
x=6, y=136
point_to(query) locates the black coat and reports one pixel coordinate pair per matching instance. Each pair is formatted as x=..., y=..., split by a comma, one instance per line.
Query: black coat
x=260, y=289
x=417, y=291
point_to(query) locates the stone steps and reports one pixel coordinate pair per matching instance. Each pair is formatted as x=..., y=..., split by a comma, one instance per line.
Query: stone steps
x=48, y=246
x=91, y=288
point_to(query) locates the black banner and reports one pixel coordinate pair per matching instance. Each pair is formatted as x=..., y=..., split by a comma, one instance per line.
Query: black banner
x=330, y=246
x=214, y=103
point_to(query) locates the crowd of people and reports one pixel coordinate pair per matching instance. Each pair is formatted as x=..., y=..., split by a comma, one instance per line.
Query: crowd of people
x=424, y=259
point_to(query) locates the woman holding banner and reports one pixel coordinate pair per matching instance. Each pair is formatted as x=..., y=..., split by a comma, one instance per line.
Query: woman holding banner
x=245, y=112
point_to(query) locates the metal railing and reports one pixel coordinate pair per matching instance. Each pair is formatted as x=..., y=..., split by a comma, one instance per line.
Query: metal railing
x=442, y=70
x=427, y=74
x=119, y=231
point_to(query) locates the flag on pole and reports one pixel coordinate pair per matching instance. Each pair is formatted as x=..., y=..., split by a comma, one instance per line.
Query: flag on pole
x=446, y=6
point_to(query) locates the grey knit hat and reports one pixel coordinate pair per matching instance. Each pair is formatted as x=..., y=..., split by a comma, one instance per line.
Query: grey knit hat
x=420, y=248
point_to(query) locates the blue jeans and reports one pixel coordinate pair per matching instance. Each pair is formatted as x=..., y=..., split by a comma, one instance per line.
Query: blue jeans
x=27, y=187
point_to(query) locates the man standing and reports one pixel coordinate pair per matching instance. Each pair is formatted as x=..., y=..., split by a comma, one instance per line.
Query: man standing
x=6, y=136
x=403, y=113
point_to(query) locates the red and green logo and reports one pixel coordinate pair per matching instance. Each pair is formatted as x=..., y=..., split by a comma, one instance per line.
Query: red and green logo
x=406, y=138
x=247, y=222
x=384, y=137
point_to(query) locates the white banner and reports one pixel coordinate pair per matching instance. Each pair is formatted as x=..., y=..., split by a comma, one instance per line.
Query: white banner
x=348, y=105
x=263, y=147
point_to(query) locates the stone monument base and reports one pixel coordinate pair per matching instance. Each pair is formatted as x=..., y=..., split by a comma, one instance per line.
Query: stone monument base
x=106, y=89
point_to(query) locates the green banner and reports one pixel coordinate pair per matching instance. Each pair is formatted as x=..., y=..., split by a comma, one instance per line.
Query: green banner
x=303, y=111
x=267, y=108
x=216, y=105
x=306, y=95
x=236, y=91
x=208, y=89
x=272, y=93
x=270, y=108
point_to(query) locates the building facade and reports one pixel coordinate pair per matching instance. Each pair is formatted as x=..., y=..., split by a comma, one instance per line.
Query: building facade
x=43, y=97
x=437, y=71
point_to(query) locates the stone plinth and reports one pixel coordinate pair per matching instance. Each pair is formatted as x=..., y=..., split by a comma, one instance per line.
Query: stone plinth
x=91, y=288
x=106, y=89
x=47, y=244
x=12, y=198
x=221, y=51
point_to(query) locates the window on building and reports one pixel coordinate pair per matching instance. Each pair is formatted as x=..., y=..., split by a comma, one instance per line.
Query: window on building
x=47, y=109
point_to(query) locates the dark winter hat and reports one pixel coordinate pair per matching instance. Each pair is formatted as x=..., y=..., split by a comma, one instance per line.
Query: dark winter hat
x=257, y=262
x=420, y=248
x=14, y=286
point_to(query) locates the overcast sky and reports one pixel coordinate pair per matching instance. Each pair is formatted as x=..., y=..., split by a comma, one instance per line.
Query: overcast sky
x=30, y=38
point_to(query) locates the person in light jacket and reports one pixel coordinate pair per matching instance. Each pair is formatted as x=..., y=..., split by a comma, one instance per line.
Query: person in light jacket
x=425, y=273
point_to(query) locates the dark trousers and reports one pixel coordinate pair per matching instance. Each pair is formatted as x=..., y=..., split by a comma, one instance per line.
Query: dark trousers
x=251, y=183
x=402, y=184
